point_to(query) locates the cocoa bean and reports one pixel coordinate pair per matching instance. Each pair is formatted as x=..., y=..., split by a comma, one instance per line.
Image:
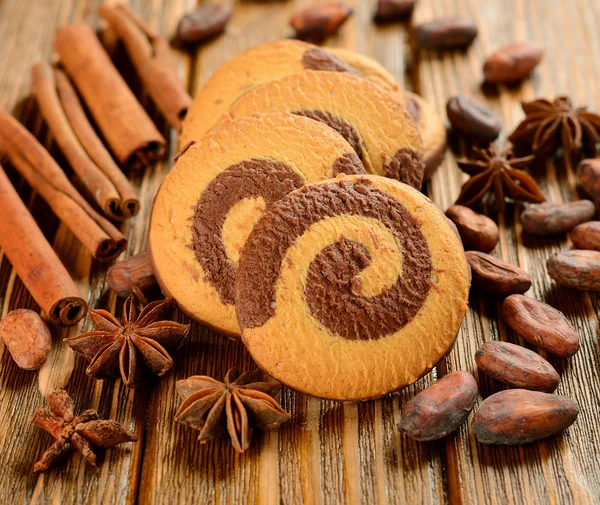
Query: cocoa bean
x=493, y=275
x=445, y=33
x=586, y=236
x=204, y=22
x=473, y=119
x=554, y=218
x=516, y=366
x=441, y=408
x=27, y=338
x=135, y=271
x=391, y=10
x=513, y=62
x=576, y=269
x=519, y=416
x=541, y=325
x=476, y=231
x=317, y=23
x=588, y=175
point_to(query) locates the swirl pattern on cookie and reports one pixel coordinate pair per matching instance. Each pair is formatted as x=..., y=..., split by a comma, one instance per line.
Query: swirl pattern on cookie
x=430, y=124
x=381, y=131
x=257, y=66
x=351, y=288
x=218, y=190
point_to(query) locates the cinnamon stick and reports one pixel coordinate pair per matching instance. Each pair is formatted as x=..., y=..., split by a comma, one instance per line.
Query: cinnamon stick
x=35, y=261
x=130, y=204
x=97, y=234
x=129, y=132
x=152, y=59
x=98, y=183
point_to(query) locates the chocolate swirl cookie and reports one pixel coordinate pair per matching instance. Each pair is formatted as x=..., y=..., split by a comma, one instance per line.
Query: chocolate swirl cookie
x=351, y=288
x=430, y=124
x=257, y=66
x=217, y=191
x=381, y=132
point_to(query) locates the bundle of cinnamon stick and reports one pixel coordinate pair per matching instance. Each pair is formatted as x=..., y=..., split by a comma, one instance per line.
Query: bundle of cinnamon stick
x=85, y=73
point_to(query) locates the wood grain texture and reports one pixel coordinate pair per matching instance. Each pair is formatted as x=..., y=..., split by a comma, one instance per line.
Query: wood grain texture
x=330, y=452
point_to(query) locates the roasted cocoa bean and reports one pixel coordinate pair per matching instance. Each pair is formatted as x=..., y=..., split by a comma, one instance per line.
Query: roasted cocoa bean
x=576, y=269
x=516, y=366
x=135, y=271
x=588, y=175
x=445, y=33
x=493, y=275
x=476, y=231
x=391, y=10
x=519, y=416
x=27, y=338
x=204, y=22
x=554, y=218
x=513, y=62
x=541, y=325
x=441, y=408
x=317, y=23
x=473, y=119
x=586, y=236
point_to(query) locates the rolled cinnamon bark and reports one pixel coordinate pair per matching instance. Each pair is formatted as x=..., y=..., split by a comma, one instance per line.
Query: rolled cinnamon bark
x=98, y=183
x=35, y=261
x=152, y=59
x=130, y=133
x=98, y=235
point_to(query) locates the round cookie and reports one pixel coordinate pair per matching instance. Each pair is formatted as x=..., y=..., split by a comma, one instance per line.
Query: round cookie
x=351, y=288
x=370, y=69
x=217, y=191
x=430, y=124
x=432, y=129
x=373, y=121
x=257, y=66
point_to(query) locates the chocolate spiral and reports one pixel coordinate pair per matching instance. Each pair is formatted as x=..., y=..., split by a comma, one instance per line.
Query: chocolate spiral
x=264, y=178
x=332, y=290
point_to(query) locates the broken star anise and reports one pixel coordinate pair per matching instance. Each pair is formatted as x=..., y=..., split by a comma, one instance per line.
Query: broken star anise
x=143, y=340
x=83, y=432
x=550, y=125
x=498, y=174
x=238, y=403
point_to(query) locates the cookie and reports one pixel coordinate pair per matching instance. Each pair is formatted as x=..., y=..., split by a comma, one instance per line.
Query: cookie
x=432, y=129
x=371, y=70
x=430, y=124
x=381, y=132
x=351, y=288
x=261, y=64
x=218, y=189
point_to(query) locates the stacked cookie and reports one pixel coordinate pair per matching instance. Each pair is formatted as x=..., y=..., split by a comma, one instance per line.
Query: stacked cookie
x=276, y=224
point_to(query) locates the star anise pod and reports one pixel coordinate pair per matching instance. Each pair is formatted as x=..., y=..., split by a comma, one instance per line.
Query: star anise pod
x=83, y=432
x=143, y=339
x=499, y=174
x=238, y=403
x=550, y=125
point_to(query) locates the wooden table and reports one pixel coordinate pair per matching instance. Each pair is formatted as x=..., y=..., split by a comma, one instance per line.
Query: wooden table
x=330, y=452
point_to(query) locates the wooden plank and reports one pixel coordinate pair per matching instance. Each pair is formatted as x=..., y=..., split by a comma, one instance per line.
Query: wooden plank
x=330, y=452
x=563, y=469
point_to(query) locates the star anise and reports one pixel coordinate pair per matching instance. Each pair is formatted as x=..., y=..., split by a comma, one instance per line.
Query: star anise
x=550, y=125
x=237, y=403
x=499, y=174
x=142, y=340
x=83, y=432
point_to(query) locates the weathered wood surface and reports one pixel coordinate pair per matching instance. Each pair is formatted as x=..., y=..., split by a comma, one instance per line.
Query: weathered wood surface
x=330, y=452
